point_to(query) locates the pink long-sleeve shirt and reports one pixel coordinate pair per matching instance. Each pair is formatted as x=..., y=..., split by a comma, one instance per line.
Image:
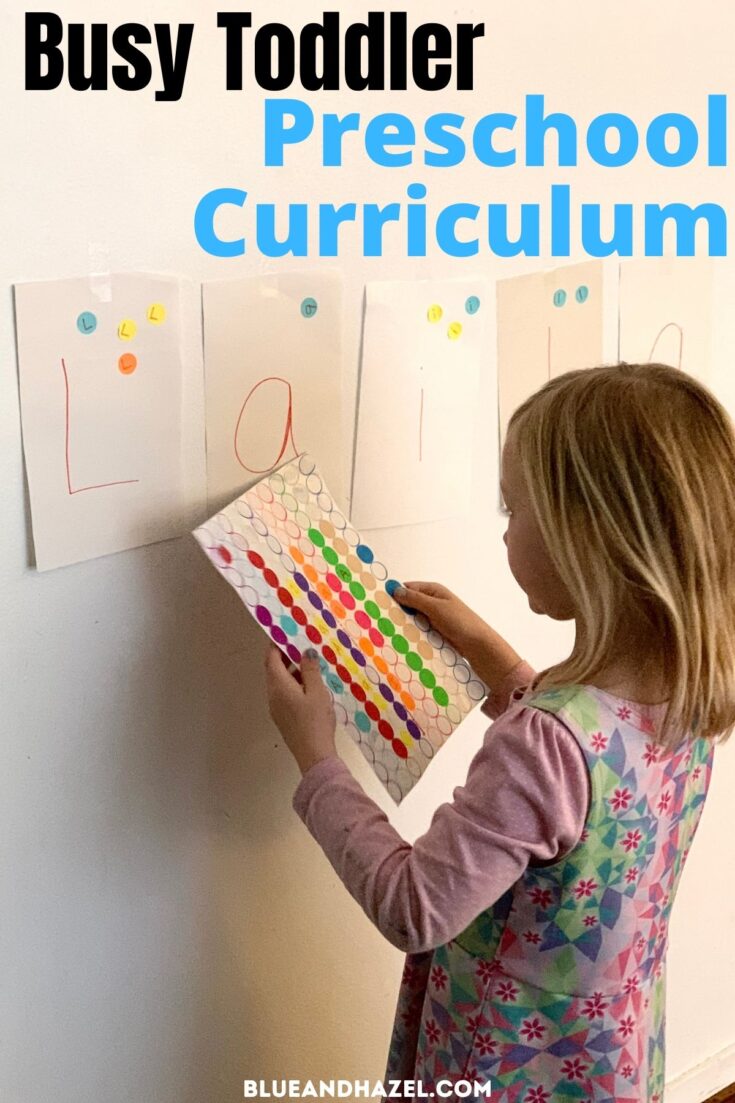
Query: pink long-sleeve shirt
x=525, y=801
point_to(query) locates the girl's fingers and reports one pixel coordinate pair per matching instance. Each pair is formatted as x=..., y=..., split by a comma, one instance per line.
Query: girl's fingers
x=421, y=599
x=279, y=678
x=311, y=672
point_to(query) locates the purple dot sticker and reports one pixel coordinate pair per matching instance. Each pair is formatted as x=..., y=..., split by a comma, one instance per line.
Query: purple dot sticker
x=386, y=692
x=293, y=653
x=329, y=619
x=413, y=729
x=316, y=601
x=343, y=638
x=279, y=636
x=264, y=616
x=358, y=657
x=301, y=582
x=400, y=711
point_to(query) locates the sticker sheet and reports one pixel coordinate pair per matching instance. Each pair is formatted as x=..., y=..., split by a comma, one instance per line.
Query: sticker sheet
x=424, y=345
x=310, y=580
x=101, y=399
x=273, y=355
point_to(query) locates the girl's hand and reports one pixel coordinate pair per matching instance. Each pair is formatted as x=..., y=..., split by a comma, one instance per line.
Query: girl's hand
x=304, y=714
x=488, y=653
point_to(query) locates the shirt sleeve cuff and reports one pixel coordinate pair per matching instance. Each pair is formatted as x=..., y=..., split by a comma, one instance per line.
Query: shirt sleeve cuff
x=324, y=770
x=498, y=699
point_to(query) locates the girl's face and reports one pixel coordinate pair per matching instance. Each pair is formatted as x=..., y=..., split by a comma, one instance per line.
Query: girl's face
x=528, y=558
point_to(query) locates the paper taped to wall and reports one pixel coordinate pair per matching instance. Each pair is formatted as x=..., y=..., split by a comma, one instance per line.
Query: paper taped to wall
x=310, y=581
x=423, y=346
x=101, y=395
x=273, y=355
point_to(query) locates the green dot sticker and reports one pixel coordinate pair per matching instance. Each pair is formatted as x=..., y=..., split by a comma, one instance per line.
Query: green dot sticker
x=400, y=644
x=427, y=679
x=441, y=696
x=358, y=591
x=414, y=661
x=344, y=574
x=309, y=308
x=387, y=627
x=372, y=610
x=316, y=538
x=331, y=556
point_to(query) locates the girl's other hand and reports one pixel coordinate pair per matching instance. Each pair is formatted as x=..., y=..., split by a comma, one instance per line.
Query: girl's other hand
x=303, y=713
x=488, y=653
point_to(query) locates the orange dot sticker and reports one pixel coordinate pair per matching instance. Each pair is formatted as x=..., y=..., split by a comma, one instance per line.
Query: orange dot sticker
x=156, y=314
x=127, y=363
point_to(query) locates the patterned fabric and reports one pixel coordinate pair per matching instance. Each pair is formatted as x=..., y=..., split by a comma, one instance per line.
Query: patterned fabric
x=557, y=991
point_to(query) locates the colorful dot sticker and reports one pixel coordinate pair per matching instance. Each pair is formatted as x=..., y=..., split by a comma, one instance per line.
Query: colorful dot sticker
x=472, y=305
x=582, y=293
x=309, y=307
x=127, y=363
x=87, y=323
x=435, y=313
x=455, y=331
x=309, y=580
x=156, y=314
x=559, y=297
x=127, y=329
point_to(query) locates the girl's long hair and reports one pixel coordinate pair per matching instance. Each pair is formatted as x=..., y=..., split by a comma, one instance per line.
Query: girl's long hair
x=630, y=470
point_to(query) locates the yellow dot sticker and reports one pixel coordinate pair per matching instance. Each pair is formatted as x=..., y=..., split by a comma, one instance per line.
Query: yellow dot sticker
x=127, y=363
x=127, y=330
x=156, y=314
x=455, y=331
x=434, y=313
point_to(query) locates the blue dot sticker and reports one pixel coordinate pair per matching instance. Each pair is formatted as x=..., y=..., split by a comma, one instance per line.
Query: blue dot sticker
x=391, y=586
x=364, y=553
x=309, y=308
x=87, y=323
x=582, y=294
x=560, y=297
x=472, y=305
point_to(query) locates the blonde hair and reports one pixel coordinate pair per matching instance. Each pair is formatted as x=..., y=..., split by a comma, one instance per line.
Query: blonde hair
x=630, y=470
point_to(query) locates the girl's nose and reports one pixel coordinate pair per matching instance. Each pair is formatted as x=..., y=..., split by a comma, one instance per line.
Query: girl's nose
x=505, y=538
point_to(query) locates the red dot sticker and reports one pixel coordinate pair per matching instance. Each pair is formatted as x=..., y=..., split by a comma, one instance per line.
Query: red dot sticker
x=334, y=583
x=363, y=619
x=271, y=578
x=313, y=634
x=344, y=674
x=329, y=655
x=256, y=560
x=373, y=711
x=385, y=729
x=358, y=692
x=347, y=600
x=299, y=615
x=376, y=637
x=284, y=597
x=400, y=748
x=224, y=554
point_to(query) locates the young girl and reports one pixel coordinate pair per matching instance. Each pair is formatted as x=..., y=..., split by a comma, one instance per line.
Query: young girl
x=535, y=910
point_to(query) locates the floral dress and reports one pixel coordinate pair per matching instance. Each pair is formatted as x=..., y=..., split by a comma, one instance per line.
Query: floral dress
x=557, y=991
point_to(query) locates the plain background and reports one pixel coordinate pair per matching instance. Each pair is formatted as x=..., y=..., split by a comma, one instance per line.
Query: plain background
x=168, y=927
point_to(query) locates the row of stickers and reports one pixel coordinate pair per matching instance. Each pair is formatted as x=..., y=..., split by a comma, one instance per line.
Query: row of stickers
x=107, y=392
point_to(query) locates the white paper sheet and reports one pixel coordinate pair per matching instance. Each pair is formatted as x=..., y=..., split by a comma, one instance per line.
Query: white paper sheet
x=101, y=396
x=548, y=323
x=666, y=313
x=424, y=345
x=310, y=580
x=273, y=356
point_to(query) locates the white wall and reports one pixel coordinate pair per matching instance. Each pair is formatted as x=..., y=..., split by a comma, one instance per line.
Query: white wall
x=168, y=927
